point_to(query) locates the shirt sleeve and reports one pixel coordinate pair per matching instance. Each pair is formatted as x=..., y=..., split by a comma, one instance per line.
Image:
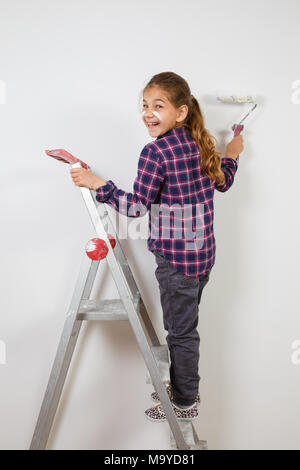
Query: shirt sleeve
x=229, y=167
x=146, y=187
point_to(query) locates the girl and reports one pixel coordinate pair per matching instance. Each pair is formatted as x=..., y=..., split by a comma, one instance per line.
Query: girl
x=181, y=168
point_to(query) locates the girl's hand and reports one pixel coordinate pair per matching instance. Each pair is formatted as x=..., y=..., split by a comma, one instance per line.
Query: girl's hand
x=235, y=147
x=85, y=178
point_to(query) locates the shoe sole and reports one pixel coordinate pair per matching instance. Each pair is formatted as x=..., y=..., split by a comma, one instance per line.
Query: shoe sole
x=157, y=401
x=165, y=419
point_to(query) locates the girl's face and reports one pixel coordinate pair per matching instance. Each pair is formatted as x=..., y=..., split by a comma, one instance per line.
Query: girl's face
x=159, y=114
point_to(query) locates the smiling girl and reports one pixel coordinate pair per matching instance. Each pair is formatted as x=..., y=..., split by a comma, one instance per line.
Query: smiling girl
x=180, y=167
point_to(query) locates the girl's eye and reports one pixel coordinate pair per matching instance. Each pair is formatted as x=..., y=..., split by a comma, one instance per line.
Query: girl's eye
x=159, y=105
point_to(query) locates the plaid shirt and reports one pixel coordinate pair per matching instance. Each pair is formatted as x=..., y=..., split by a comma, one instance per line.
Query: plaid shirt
x=179, y=198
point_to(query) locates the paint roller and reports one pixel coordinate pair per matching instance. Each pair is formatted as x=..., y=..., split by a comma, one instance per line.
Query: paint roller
x=239, y=98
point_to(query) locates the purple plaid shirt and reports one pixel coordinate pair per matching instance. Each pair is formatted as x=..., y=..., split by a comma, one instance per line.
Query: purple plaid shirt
x=179, y=198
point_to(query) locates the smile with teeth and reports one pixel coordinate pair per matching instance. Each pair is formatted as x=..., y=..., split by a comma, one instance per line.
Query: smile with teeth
x=151, y=124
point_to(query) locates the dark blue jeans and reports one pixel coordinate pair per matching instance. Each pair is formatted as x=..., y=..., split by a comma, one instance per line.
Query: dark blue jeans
x=180, y=298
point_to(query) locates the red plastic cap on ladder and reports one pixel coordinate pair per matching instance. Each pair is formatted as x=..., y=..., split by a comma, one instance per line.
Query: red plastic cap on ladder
x=97, y=249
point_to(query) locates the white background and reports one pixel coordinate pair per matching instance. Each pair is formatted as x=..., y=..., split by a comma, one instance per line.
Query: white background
x=74, y=71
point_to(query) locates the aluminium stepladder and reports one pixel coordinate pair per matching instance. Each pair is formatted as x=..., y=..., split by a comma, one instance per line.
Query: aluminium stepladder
x=129, y=307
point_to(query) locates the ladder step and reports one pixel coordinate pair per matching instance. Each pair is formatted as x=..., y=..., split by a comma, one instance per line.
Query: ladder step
x=108, y=309
x=190, y=437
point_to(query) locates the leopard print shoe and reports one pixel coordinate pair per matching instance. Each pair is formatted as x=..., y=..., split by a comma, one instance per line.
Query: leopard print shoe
x=157, y=414
x=155, y=397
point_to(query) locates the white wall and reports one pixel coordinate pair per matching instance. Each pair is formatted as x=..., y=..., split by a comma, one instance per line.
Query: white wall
x=73, y=72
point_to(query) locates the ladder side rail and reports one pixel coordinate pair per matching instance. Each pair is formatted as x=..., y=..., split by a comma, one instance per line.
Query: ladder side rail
x=63, y=355
x=126, y=297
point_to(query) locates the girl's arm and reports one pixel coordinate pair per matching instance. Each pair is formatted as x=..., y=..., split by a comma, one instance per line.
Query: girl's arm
x=146, y=187
x=229, y=166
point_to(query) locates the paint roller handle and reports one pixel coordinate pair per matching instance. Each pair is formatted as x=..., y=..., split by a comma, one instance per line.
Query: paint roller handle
x=237, y=129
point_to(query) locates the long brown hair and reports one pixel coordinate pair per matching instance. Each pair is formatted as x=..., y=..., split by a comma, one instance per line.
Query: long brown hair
x=179, y=93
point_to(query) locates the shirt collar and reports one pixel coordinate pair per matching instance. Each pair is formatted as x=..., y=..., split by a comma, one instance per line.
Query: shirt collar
x=174, y=131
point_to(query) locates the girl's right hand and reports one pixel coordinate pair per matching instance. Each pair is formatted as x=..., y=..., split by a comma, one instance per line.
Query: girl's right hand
x=235, y=147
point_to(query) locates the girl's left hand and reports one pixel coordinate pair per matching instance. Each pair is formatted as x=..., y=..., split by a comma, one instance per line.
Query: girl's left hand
x=85, y=178
x=235, y=147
